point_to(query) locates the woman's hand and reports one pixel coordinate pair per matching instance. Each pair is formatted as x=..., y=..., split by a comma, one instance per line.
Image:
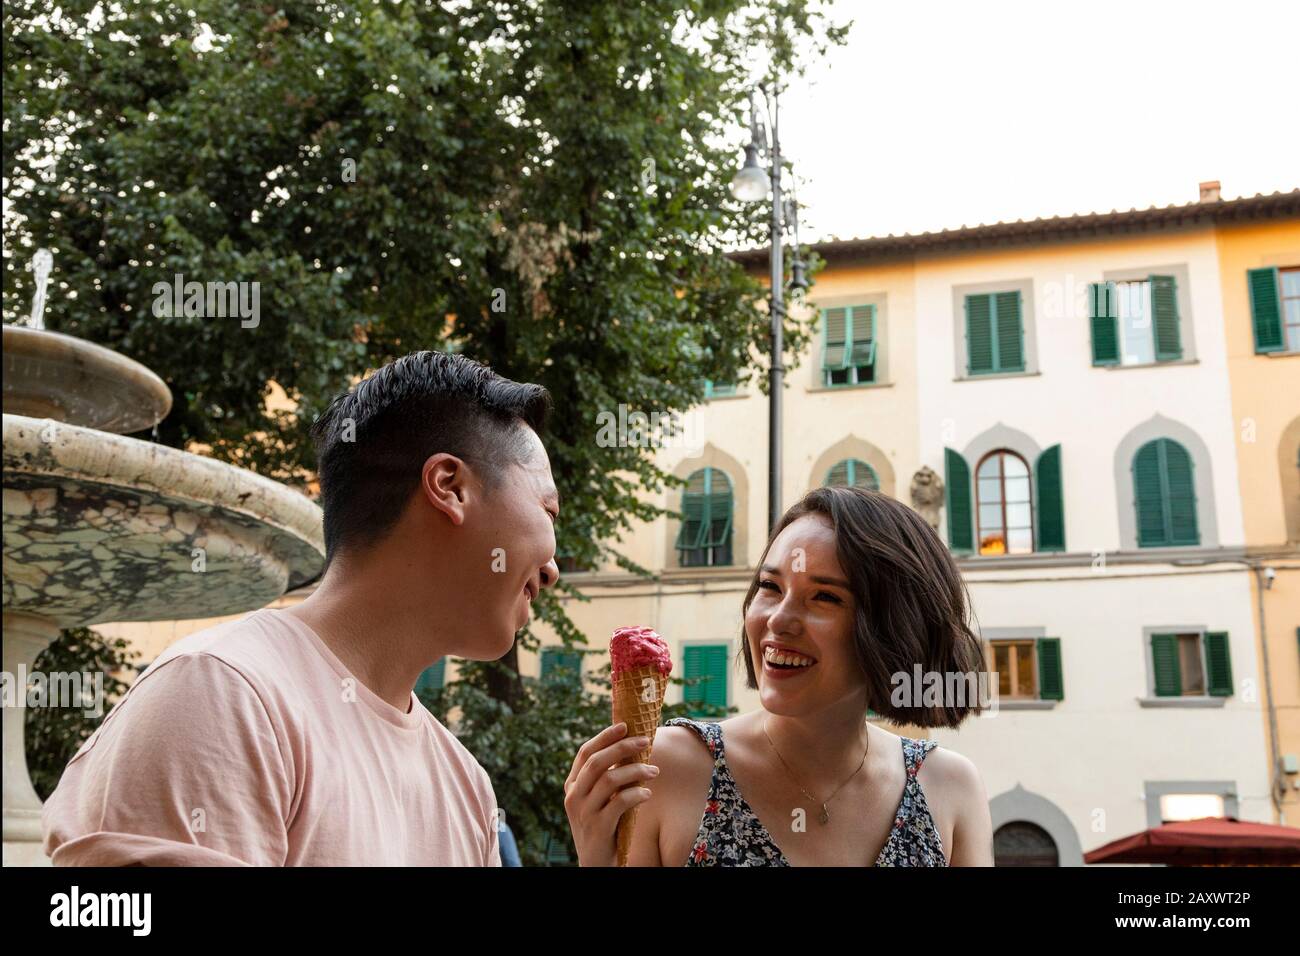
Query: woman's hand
x=596, y=796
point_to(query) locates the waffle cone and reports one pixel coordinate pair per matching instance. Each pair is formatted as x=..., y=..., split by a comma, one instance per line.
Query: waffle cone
x=631, y=688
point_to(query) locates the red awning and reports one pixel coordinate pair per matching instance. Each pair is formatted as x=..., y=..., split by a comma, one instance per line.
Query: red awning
x=1208, y=841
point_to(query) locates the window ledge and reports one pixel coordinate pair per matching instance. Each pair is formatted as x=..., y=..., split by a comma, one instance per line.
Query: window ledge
x=1027, y=704
x=848, y=388
x=1181, y=701
x=987, y=375
x=1117, y=367
x=725, y=398
x=1281, y=353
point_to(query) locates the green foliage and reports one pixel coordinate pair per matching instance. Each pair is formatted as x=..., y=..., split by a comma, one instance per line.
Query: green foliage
x=54, y=734
x=528, y=749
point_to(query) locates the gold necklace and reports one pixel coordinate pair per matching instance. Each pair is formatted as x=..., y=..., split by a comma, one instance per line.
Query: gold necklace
x=825, y=816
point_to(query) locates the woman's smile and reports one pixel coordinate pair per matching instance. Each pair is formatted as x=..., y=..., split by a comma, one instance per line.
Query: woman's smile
x=780, y=661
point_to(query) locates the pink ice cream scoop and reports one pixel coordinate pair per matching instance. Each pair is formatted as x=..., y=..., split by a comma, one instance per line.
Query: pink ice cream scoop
x=633, y=647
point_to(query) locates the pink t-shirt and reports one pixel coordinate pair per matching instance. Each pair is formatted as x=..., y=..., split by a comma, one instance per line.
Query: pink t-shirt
x=250, y=743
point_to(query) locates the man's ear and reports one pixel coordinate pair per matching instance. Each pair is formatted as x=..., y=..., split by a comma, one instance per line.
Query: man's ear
x=444, y=481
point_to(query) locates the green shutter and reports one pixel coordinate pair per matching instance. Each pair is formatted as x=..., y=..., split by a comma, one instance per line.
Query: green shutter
x=956, y=478
x=1181, y=494
x=835, y=354
x=432, y=678
x=694, y=507
x=1266, y=309
x=1164, y=489
x=862, y=333
x=1104, y=318
x=559, y=663
x=1148, y=497
x=862, y=475
x=719, y=523
x=1010, y=332
x=979, y=334
x=1164, y=665
x=707, y=508
x=707, y=661
x=1164, y=318
x=1051, y=685
x=1218, y=664
x=1050, y=526
x=852, y=473
x=838, y=476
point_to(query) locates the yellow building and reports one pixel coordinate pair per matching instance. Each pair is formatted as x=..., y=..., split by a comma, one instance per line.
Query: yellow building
x=1260, y=275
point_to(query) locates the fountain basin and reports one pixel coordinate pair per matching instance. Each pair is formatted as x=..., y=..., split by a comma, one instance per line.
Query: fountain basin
x=51, y=375
x=100, y=527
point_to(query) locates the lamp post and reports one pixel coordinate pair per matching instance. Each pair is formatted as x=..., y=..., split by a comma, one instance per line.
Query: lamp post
x=751, y=184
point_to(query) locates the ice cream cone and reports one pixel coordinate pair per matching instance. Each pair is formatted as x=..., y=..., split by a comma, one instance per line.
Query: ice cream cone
x=638, y=699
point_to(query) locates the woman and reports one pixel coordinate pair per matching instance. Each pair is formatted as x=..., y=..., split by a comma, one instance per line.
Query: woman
x=854, y=589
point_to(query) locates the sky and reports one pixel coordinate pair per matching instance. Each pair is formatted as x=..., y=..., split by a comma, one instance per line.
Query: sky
x=940, y=114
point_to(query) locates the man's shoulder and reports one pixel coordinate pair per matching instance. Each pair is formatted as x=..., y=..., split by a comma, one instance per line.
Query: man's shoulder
x=450, y=747
x=255, y=646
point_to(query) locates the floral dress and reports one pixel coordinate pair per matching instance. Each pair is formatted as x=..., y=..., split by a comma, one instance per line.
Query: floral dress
x=732, y=835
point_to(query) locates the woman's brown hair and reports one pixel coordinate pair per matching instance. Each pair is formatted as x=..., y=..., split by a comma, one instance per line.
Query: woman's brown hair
x=910, y=605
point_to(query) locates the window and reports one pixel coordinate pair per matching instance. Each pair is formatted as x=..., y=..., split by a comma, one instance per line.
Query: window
x=1137, y=344
x=708, y=664
x=714, y=389
x=1291, y=307
x=1021, y=843
x=852, y=473
x=1191, y=665
x=1135, y=322
x=569, y=564
x=1028, y=669
x=562, y=665
x=707, y=505
x=432, y=679
x=1164, y=494
x=1275, y=308
x=995, y=340
x=1005, y=509
x=849, y=353
x=1013, y=662
x=1190, y=806
x=1011, y=518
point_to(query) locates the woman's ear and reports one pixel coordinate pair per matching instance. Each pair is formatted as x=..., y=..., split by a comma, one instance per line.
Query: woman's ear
x=444, y=480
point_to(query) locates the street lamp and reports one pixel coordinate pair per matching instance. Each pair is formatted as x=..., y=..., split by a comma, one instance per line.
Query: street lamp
x=750, y=184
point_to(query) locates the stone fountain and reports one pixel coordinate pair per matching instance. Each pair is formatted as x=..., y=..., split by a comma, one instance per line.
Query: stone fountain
x=99, y=527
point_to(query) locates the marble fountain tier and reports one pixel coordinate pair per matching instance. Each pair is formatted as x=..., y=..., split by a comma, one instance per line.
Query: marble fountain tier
x=99, y=527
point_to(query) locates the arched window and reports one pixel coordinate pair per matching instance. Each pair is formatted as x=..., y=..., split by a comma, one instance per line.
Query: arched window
x=707, y=506
x=1164, y=495
x=1006, y=522
x=1021, y=843
x=852, y=473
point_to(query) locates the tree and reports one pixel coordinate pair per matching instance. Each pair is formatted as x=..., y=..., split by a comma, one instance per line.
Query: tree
x=541, y=184
x=55, y=733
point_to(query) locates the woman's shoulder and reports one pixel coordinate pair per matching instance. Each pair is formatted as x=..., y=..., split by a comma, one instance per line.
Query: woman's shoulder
x=946, y=768
x=683, y=785
x=684, y=742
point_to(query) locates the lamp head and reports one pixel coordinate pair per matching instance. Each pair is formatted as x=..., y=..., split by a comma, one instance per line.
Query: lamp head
x=750, y=183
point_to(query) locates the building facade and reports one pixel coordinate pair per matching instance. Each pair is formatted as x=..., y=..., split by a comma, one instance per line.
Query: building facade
x=1079, y=386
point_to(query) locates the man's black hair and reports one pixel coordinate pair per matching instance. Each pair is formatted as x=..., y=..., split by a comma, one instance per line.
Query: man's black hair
x=372, y=442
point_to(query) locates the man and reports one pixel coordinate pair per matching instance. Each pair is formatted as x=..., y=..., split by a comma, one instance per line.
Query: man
x=293, y=737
